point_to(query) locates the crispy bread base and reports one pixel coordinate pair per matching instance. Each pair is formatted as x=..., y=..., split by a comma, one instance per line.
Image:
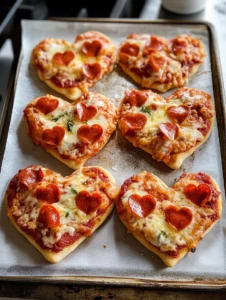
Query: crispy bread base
x=170, y=261
x=50, y=255
x=72, y=93
x=69, y=162
x=176, y=159
x=156, y=86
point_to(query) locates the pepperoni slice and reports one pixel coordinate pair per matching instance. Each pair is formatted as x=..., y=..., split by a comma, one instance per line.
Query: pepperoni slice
x=141, y=206
x=48, y=194
x=169, y=129
x=62, y=81
x=91, y=71
x=178, y=218
x=130, y=123
x=155, y=45
x=156, y=62
x=49, y=216
x=46, y=105
x=178, y=113
x=90, y=134
x=136, y=98
x=28, y=177
x=199, y=195
x=95, y=173
x=178, y=46
x=63, y=59
x=91, y=49
x=87, y=202
x=84, y=112
x=53, y=136
x=130, y=49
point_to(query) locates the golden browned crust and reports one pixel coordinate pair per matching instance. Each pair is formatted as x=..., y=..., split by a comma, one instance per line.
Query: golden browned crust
x=171, y=261
x=34, y=127
x=45, y=67
x=131, y=64
x=54, y=257
x=177, y=159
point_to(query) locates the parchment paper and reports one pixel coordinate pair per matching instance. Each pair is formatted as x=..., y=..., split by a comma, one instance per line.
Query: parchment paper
x=123, y=256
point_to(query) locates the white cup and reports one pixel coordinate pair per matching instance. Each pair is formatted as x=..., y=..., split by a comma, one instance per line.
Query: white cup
x=184, y=6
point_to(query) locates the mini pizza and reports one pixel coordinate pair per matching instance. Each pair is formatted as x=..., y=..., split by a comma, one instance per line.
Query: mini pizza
x=169, y=221
x=73, y=133
x=56, y=214
x=71, y=69
x=161, y=64
x=171, y=128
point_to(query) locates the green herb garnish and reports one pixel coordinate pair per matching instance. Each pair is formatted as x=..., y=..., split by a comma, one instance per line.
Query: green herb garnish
x=144, y=109
x=70, y=124
x=74, y=191
x=67, y=214
x=60, y=116
x=162, y=233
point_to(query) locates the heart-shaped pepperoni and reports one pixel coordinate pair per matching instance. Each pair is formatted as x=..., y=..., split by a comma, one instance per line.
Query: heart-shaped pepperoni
x=91, y=49
x=48, y=194
x=136, y=98
x=87, y=202
x=90, y=134
x=130, y=49
x=49, y=216
x=53, y=136
x=141, y=206
x=46, y=105
x=199, y=195
x=156, y=62
x=133, y=122
x=169, y=129
x=28, y=177
x=178, y=113
x=84, y=112
x=178, y=218
x=91, y=71
x=63, y=59
x=178, y=45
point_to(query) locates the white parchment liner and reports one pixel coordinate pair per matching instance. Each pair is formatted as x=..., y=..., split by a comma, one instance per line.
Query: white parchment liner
x=123, y=256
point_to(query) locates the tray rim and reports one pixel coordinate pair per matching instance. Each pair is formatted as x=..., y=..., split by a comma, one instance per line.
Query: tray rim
x=219, y=96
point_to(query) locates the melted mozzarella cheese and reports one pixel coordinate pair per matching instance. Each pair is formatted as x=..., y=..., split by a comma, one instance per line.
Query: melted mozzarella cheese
x=154, y=227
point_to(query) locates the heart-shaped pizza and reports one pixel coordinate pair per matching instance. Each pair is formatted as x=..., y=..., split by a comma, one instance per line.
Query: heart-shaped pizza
x=169, y=221
x=161, y=64
x=57, y=213
x=71, y=69
x=171, y=128
x=73, y=133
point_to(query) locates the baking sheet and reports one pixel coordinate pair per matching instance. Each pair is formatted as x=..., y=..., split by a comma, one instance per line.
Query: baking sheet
x=124, y=256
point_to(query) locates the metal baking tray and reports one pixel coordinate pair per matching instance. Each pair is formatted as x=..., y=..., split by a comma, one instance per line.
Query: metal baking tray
x=112, y=266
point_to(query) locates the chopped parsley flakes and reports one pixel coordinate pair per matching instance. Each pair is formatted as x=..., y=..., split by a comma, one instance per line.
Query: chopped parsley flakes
x=162, y=233
x=60, y=116
x=74, y=191
x=144, y=109
x=70, y=124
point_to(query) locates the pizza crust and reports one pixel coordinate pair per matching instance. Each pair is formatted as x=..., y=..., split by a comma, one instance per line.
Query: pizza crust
x=79, y=161
x=105, y=60
x=55, y=257
x=167, y=259
x=177, y=159
x=72, y=93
